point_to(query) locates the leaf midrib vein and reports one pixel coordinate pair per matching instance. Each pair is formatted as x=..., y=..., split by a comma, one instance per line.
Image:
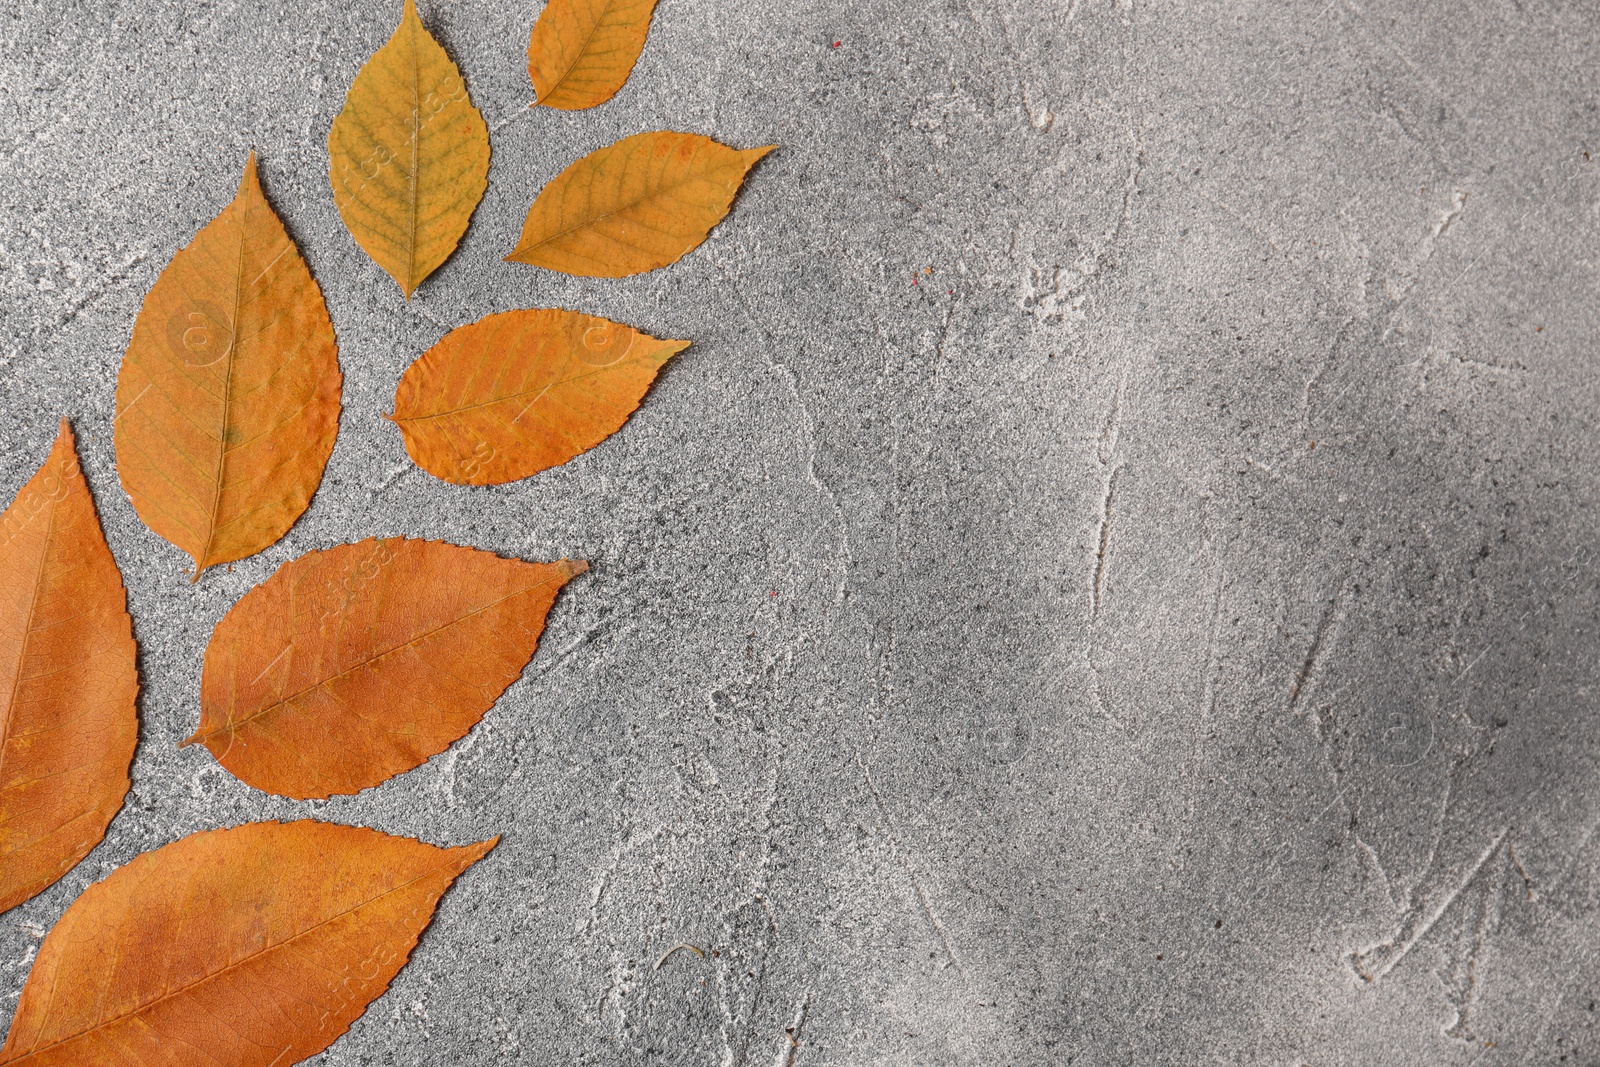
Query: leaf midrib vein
x=227, y=394
x=555, y=87
x=27, y=633
x=593, y=220
x=279, y=702
x=514, y=396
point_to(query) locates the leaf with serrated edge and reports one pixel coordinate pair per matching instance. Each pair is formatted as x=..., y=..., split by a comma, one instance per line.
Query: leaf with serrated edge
x=639, y=204
x=582, y=51
x=228, y=397
x=256, y=946
x=352, y=665
x=68, y=679
x=408, y=155
x=522, y=391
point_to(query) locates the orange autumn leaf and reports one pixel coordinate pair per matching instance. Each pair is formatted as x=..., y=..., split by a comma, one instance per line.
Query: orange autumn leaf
x=228, y=398
x=582, y=51
x=408, y=155
x=519, y=392
x=256, y=946
x=352, y=665
x=67, y=679
x=639, y=204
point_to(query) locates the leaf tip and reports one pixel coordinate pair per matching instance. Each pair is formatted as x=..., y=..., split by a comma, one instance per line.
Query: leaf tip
x=250, y=176
x=574, y=567
x=476, y=851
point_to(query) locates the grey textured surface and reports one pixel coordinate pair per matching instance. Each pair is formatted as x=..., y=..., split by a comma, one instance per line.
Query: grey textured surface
x=1113, y=581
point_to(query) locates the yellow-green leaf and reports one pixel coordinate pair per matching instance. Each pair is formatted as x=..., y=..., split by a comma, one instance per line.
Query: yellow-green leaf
x=639, y=204
x=582, y=51
x=409, y=155
x=518, y=392
x=228, y=397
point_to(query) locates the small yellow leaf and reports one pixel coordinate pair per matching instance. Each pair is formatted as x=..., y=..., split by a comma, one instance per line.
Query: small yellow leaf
x=516, y=393
x=408, y=155
x=228, y=397
x=639, y=204
x=582, y=51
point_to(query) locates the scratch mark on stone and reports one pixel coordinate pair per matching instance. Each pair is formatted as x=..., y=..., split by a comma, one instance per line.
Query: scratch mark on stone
x=1097, y=588
x=1105, y=453
x=905, y=861
x=446, y=783
x=1308, y=667
x=415, y=305
x=516, y=115
x=1390, y=952
x=1130, y=184
x=1438, y=836
x=1464, y=996
x=76, y=304
x=809, y=427
x=1369, y=856
x=389, y=479
x=1476, y=660
x=1530, y=894
x=790, y=1046
x=1113, y=427
x=1448, y=218
x=573, y=647
x=607, y=873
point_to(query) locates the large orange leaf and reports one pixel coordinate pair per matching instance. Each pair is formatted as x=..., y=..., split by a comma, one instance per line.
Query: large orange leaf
x=409, y=155
x=228, y=399
x=582, y=51
x=518, y=392
x=639, y=204
x=251, y=947
x=67, y=679
x=349, y=666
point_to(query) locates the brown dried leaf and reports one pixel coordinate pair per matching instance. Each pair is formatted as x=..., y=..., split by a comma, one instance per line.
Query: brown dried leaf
x=582, y=51
x=516, y=393
x=251, y=947
x=349, y=666
x=228, y=398
x=67, y=679
x=639, y=204
x=408, y=155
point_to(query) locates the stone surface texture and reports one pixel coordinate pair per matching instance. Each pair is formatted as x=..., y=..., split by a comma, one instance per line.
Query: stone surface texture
x=1113, y=581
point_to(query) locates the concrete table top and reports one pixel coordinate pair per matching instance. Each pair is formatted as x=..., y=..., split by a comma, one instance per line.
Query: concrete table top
x=1114, y=580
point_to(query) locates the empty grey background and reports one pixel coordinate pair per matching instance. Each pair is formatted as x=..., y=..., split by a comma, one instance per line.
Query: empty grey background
x=1113, y=582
